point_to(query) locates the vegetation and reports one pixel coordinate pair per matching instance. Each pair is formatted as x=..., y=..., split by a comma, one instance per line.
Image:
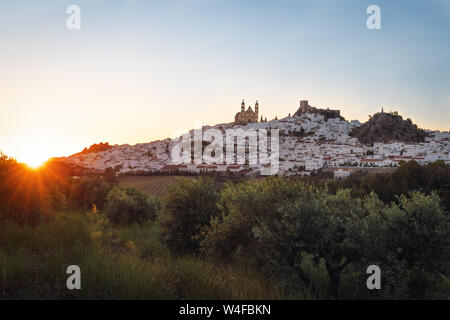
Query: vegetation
x=127, y=205
x=110, y=175
x=88, y=191
x=410, y=176
x=156, y=185
x=280, y=223
x=28, y=197
x=188, y=208
x=116, y=262
x=273, y=238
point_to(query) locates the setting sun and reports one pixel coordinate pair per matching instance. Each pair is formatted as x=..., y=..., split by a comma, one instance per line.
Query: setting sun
x=33, y=155
x=34, y=147
x=34, y=160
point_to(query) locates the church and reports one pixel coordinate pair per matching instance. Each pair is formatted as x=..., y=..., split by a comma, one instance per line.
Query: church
x=247, y=116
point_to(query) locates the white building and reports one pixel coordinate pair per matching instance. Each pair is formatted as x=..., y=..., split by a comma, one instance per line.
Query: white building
x=341, y=173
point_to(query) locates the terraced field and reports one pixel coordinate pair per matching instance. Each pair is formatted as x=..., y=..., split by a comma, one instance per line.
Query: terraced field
x=156, y=185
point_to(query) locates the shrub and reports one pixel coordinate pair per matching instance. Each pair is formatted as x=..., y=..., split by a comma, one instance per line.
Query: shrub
x=125, y=205
x=89, y=191
x=29, y=196
x=110, y=175
x=277, y=223
x=327, y=227
x=242, y=205
x=188, y=207
x=417, y=237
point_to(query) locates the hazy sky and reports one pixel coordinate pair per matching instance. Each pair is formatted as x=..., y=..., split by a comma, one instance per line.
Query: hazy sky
x=137, y=71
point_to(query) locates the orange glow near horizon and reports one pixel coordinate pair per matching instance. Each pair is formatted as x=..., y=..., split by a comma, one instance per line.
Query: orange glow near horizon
x=32, y=156
x=141, y=72
x=35, y=147
x=35, y=160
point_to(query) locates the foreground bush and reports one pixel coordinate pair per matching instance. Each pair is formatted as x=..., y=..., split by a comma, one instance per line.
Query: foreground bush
x=126, y=205
x=30, y=196
x=278, y=223
x=188, y=207
x=241, y=206
x=409, y=176
x=417, y=245
x=89, y=191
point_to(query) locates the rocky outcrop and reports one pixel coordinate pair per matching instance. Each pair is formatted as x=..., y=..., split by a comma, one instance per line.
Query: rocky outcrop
x=385, y=127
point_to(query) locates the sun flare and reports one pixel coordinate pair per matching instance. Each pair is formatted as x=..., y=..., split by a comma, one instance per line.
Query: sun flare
x=33, y=158
x=33, y=147
x=35, y=163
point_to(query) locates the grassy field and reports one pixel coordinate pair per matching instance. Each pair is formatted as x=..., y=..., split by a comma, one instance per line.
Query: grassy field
x=116, y=263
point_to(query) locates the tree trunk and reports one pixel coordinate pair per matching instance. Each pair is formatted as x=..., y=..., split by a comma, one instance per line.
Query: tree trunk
x=305, y=278
x=335, y=280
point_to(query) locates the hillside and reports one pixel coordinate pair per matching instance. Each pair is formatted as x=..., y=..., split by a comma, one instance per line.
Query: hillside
x=385, y=127
x=308, y=141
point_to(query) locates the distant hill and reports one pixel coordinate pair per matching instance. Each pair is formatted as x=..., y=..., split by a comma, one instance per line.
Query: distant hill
x=96, y=148
x=385, y=127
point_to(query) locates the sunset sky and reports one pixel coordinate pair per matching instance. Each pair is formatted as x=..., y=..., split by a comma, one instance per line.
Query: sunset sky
x=137, y=71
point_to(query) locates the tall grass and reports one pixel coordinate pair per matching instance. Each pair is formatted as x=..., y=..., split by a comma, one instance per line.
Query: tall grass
x=33, y=263
x=116, y=263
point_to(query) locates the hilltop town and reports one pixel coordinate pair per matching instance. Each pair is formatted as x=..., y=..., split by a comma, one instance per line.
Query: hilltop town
x=311, y=140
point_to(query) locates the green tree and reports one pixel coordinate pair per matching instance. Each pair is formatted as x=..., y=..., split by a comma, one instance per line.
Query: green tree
x=232, y=229
x=326, y=226
x=110, y=175
x=241, y=206
x=187, y=209
x=417, y=236
x=125, y=205
x=89, y=191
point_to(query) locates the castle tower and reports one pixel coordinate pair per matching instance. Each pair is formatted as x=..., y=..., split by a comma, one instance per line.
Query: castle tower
x=303, y=105
x=256, y=110
x=242, y=106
